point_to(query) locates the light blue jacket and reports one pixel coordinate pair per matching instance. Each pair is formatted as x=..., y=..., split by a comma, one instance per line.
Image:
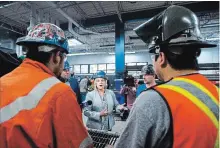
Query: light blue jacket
x=93, y=111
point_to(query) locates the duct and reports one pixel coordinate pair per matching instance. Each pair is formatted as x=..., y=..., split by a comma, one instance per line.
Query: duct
x=110, y=34
x=8, y=4
x=76, y=35
x=32, y=17
x=70, y=19
x=12, y=30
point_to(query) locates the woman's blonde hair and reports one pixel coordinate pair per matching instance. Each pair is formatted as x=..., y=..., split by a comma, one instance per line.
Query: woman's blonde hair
x=95, y=84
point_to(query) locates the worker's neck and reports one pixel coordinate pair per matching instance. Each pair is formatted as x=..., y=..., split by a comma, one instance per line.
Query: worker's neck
x=171, y=73
x=51, y=67
x=151, y=84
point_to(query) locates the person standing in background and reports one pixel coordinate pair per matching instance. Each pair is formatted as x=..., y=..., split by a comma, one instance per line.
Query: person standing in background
x=83, y=86
x=91, y=84
x=108, y=83
x=130, y=94
x=99, y=112
x=75, y=87
x=149, y=78
x=65, y=75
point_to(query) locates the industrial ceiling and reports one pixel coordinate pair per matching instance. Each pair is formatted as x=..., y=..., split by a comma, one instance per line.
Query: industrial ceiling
x=93, y=22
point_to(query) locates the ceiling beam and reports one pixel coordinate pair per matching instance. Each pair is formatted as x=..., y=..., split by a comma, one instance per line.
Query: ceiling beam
x=95, y=7
x=119, y=12
x=144, y=14
x=78, y=9
x=100, y=5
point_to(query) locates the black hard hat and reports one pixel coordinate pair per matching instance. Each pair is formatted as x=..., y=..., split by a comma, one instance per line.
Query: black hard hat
x=175, y=26
x=148, y=70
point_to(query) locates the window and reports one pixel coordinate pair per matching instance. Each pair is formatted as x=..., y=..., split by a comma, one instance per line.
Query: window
x=84, y=69
x=110, y=66
x=77, y=68
x=93, y=68
x=110, y=71
x=131, y=72
x=71, y=68
x=102, y=67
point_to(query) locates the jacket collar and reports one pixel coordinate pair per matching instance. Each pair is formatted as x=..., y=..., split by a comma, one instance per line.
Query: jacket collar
x=37, y=65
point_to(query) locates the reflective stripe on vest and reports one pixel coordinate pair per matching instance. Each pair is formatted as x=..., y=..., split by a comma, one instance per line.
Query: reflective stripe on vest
x=199, y=86
x=29, y=101
x=197, y=102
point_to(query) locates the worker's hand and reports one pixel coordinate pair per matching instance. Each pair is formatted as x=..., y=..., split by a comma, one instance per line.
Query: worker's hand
x=134, y=89
x=122, y=107
x=104, y=113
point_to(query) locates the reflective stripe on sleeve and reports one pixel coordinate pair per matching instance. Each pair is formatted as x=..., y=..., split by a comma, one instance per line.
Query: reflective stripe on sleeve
x=29, y=101
x=86, y=142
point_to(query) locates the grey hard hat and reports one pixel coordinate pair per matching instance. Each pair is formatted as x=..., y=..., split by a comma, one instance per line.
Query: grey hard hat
x=175, y=26
x=148, y=70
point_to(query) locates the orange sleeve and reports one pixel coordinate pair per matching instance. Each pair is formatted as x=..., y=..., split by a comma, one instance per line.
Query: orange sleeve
x=69, y=129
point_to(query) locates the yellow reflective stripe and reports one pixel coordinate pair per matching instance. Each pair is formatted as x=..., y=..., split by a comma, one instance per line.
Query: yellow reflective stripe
x=194, y=100
x=218, y=90
x=199, y=86
x=217, y=141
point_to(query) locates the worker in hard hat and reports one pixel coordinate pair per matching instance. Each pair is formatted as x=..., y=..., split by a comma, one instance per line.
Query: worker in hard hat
x=184, y=110
x=103, y=102
x=149, y=79
x=65, y=75
x=36, y=109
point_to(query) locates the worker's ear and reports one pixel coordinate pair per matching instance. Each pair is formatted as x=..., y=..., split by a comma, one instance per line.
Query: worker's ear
x=56, y=57
x=162, y=59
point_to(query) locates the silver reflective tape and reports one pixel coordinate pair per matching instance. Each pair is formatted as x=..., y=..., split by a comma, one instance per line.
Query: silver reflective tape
x=86, y=142
x=199, y=94
x=27, y=102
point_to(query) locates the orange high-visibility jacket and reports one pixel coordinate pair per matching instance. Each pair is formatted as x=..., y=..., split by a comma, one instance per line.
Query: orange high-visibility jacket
x=37, y=110
x=193, y=102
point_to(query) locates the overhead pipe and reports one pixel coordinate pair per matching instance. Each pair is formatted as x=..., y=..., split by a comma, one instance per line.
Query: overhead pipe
x=11, y=30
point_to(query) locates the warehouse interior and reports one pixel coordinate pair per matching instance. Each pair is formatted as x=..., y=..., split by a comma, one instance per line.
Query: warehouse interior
x=101, y=37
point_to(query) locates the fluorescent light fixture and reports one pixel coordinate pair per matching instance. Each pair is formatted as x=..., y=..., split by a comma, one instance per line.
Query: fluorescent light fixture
x=130, y=52
x=74, y=54
x=86, y=53
x=212, y=39
x=74, y=42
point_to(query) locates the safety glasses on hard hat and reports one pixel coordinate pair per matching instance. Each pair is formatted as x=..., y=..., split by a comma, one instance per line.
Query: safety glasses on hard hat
x=63, y=56
x=154, y=57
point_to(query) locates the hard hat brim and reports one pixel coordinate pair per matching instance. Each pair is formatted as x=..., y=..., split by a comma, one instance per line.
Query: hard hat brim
x=193, y=44
x=30, y=42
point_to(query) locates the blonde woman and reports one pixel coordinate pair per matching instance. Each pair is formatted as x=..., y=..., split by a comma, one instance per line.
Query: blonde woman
x=102, y=102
